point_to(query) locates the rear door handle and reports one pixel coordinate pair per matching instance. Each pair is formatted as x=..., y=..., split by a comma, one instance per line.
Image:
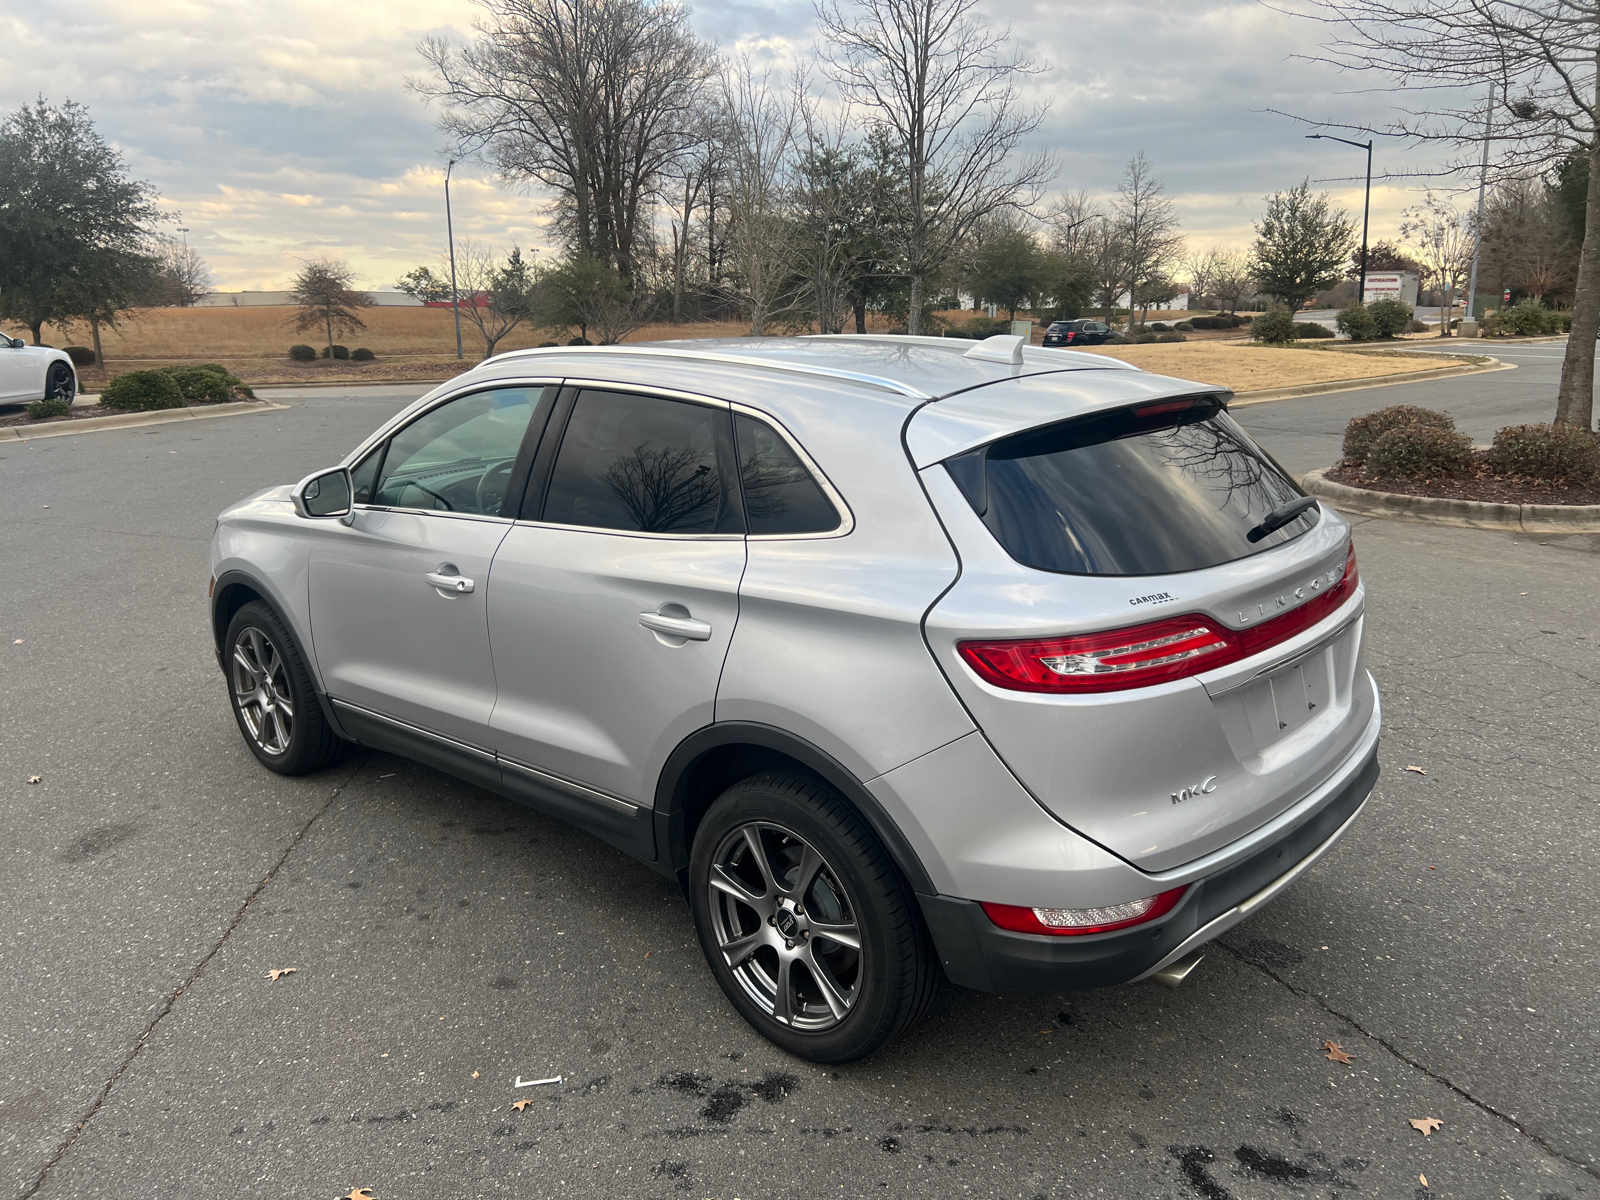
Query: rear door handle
x=448, y=578
x=684, y=627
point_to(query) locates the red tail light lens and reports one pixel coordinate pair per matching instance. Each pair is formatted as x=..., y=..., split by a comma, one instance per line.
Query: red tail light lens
x=1071, y=922
x=1143, y=655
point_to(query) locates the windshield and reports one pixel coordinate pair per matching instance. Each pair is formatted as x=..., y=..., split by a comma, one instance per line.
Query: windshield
x=1164, y=487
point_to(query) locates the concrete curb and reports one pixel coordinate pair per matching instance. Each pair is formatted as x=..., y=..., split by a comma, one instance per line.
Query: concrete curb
x=1245, y=399
x=1470, y=514
x=234, y=408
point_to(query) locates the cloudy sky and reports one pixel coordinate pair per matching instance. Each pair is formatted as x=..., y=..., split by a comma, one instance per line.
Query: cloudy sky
x=281, y=131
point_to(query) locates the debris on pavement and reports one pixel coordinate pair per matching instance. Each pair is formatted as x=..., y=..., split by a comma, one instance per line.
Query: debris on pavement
x=521, y=1082
x=35, y=778
x=1425, y=1125
x=1336, y=1053
x=279, y=972
x=359, y=1194
x=474, y=1074
x=519, y=1105
x=1423, y=1179
x=1418, y=770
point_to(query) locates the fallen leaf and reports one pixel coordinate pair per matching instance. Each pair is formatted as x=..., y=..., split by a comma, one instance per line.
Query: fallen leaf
x=281, y=971
x=1418, y=770
x=1336, y=1053
x=359, y=1194
x=519, y=1105
x=18, y=642
x=1425, y=1125
x=647, y=954
x=474, y=1074
x=1424, y=1178
x=1522, y=593
x=35, y=778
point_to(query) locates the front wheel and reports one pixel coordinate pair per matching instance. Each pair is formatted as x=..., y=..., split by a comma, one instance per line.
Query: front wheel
x=63, y=384
x=807, y=925
x=272, y=695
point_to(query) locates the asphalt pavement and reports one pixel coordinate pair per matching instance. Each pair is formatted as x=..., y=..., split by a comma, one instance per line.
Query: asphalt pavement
x=446, y=942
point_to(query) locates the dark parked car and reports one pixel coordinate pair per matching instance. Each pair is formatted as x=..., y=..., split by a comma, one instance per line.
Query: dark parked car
x=1078, y=333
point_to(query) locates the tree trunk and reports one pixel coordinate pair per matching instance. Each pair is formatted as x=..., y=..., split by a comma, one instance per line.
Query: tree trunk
x=1444, y=313
x=37, y=328
x=861, y=314
x=914, y=312
x=1575, y=400
x=328, y=321
x=99, y=354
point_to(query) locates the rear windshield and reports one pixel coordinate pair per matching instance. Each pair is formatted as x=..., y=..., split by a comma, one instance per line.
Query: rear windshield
x=1169, y=486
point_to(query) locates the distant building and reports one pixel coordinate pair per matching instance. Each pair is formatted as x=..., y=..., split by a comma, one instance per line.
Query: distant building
x=1178, y=303
x=1391, y=285
x=260, y=299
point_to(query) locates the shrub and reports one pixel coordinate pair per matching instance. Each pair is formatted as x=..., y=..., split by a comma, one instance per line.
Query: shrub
x=201, y=385
x=1550, y=453
x=1528, y=318
x=142, y=391
x=40, y=409
x=583, y=341
x=362, y=354
x=1389, y=317
x=1420, y=452
x=1362, y=432
x=81, y=356
x=336, y=352
x=1311, y=329
x=1416, y=327
x=543, y=345
x=1356, y=323
x=1492, y=325
x=303, y=353
x=1160, y=327
x=1564, y=322
x=1238, y=320
x=1184, y=326
x=1275, y=327
x=1139, y=327
x=1202, y=323
x=1171, y=336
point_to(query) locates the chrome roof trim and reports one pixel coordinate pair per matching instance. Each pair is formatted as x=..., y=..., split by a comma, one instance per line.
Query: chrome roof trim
x=742, y=360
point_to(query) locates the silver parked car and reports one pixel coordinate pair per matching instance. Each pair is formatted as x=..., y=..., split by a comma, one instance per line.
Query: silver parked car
x=908, y=660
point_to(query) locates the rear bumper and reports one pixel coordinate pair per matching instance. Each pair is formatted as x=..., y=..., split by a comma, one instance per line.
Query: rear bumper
x=978, y=954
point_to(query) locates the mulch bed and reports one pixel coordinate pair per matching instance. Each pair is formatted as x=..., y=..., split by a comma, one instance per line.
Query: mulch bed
x=1480, y=484
x=84, y=412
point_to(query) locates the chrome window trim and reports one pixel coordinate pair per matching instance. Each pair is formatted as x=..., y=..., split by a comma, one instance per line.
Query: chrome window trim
x=571, y=786
x=847, y=520
x=433, y=512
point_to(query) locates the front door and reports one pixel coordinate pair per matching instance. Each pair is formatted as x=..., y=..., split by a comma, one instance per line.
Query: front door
x=611, y=609
x=398, y=612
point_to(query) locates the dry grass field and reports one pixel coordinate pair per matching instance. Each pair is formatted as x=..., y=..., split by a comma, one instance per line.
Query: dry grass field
x=419, y=344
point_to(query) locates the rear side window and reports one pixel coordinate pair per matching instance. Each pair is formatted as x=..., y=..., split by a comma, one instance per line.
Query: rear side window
x=644, y=464
x=780, y=496
x=1170, y=486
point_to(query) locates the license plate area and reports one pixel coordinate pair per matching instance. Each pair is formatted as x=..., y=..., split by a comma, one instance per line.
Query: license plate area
x=1279, y=704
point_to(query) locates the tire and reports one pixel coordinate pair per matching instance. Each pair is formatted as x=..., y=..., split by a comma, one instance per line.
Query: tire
x=272, y=695
x=826, y=877
x=62, y=384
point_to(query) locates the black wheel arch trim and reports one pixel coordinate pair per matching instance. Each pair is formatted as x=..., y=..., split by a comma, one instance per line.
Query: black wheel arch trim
x=672, y=847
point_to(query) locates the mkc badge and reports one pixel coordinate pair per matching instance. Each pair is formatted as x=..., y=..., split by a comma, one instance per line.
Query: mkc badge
x=1204, y=788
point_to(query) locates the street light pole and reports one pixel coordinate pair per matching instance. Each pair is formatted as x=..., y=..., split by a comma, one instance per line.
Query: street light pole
x=1366, y=204
x=450, y=234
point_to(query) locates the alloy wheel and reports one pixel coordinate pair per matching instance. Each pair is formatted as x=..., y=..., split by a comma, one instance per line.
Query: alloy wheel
x=66, y=385
x=785, y=926
x=261, y=688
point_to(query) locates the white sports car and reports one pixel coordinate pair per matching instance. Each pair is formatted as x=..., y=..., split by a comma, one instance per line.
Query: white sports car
x=34, y=373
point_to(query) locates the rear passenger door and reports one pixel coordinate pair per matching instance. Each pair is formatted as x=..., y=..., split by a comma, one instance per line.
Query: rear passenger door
x=613, y=599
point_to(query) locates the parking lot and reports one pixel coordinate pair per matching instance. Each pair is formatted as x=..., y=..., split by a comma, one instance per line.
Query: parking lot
x=446, y=942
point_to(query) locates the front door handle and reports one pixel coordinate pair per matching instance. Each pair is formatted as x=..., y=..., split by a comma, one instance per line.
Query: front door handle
x=684, y=627
x=448, y=578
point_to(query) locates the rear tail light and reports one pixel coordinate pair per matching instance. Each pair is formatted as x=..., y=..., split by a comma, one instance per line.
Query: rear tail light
x=1070, y=922
x=1142, y=655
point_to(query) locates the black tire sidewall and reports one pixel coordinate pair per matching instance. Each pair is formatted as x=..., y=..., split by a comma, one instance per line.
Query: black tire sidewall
x=879, y=897
x=306, y=738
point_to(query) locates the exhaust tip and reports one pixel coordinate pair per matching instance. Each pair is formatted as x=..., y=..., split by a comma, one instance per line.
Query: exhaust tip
x=1173, y=974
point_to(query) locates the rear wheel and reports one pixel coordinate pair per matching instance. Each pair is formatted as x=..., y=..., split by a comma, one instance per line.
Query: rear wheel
x=805, y=922
x=272, y=695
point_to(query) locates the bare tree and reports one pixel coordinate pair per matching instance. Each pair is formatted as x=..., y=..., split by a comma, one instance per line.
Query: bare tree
x=828, y=198
x=494, y=297
x=1071, y=220
x=936, y=76
x=592, y=100
x=1525, y=246
x=1105, y=254
x=1148, y=222
x=760, y=126
x=688, y=187
x=1231, y=279
x=1443, y=240
x=324, y=296
x=1544, y=57
x=182, y=278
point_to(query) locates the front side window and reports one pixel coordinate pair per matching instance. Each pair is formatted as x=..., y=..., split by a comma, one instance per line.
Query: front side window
x=456, y=458
x=643, y=464
x=780, y=496
x=1165, y=487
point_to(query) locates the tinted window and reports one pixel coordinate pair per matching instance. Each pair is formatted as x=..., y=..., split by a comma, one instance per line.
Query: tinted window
x=780, y=496
x=459, y=456
x=643, y=464
x=1130, y=492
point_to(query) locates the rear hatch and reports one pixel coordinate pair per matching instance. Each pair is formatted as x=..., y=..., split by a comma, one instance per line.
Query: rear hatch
x=1154, y=626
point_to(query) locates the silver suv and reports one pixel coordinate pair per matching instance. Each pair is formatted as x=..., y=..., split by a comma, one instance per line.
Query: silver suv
x=909, y=661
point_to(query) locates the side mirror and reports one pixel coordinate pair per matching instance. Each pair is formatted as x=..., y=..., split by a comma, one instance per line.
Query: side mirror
x=325, y=494
x=15, y=343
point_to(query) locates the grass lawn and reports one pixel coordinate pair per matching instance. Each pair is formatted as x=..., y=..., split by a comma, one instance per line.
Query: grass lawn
x=1245, y=367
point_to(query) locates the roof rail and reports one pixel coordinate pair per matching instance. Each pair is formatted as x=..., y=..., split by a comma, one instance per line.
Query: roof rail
x=744, y=360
